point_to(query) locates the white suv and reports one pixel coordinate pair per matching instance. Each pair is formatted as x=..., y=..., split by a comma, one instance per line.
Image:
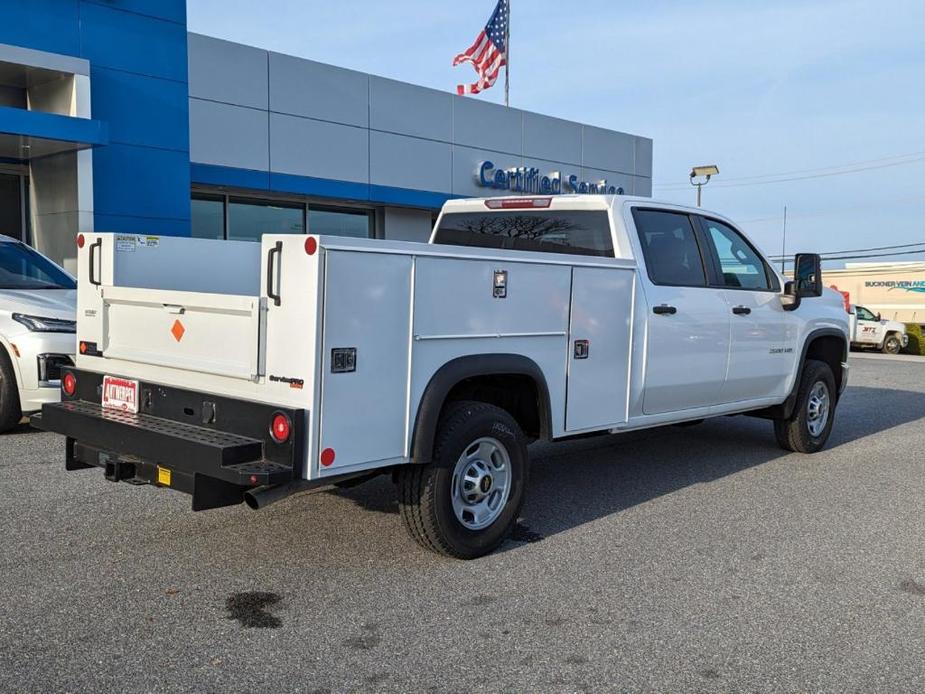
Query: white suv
x=38, y=301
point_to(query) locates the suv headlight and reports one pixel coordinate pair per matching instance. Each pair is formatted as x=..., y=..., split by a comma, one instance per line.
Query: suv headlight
x=38, y=324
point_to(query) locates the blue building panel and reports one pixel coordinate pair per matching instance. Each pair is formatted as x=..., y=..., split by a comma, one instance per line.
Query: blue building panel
x=141, y=225
x=141, y=182
x=171, y=10
x=135, y=43
x=321, y=187
x=142, y=110
x=43, y=25
x=51, y=126
x=209, y=175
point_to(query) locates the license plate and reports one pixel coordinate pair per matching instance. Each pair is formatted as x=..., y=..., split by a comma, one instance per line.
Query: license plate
x=120, y=394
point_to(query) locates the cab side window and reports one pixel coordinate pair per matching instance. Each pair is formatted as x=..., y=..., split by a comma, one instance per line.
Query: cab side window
x=864, y=314
x=740, y=266
x=670, y=248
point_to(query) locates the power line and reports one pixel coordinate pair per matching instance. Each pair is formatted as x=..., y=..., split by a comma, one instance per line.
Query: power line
x=806, y=174
x=878, y=272
x=866, y=250
x=874, y=255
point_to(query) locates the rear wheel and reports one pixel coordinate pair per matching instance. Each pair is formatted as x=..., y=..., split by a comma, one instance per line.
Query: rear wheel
x=892, y=345
x=465, y=503
x=810, y=424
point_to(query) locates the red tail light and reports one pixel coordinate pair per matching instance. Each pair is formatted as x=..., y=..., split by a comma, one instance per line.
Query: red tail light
x=69, y=384
x=311, y=245
x=280, y=428
x=518, y=203
x=81, y=240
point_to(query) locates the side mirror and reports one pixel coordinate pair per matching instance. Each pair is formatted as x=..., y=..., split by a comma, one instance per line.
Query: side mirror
x=807, y=281
x=879, y=317
x=807, y=274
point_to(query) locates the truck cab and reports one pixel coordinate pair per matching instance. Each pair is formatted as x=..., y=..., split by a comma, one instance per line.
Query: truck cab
x=310, y=360
x=869, y=329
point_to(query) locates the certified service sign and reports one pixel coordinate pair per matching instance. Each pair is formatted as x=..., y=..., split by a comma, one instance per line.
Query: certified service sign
x=526, y=179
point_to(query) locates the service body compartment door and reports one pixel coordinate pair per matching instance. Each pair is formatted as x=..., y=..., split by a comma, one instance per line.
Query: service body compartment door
x=207, y=333
x=364, y=372
x=600, y=347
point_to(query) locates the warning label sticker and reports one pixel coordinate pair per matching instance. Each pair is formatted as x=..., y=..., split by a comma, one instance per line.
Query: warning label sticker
x=125, y=243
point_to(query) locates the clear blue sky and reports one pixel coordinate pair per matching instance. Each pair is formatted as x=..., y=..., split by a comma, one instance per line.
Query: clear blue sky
x=755, y=87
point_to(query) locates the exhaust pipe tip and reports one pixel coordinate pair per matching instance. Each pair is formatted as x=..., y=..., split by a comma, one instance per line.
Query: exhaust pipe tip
x=257, y=498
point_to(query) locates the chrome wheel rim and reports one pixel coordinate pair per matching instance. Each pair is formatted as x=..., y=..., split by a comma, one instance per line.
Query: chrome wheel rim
x=817, y=409
x=892, y=344
x=481, y=483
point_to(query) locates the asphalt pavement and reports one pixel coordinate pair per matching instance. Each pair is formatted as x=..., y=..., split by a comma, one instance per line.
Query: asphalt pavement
x=682, y=559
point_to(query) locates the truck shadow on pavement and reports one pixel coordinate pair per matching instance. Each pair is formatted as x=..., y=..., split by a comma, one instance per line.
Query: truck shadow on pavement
x=576, y=482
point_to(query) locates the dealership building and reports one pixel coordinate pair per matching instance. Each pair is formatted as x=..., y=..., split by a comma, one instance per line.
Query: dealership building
x=114, y=118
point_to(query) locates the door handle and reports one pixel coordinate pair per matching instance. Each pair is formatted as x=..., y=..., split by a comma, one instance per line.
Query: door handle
x=741, y=310
x=665, y=310
x=94, y=247
x=276, y=250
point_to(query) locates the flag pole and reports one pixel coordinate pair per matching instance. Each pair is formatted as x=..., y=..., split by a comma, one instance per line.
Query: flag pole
x=507, y=58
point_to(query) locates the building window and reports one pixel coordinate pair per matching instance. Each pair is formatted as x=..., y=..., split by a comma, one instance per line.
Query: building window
x=208, y=217
x=339, y=222
x=219, y=216
x=248, y=220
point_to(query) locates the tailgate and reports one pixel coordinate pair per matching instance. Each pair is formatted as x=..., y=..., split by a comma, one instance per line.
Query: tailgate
x=208, y=333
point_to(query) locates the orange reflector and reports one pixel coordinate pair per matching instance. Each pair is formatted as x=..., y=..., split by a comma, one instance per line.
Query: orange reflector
x=177, y=330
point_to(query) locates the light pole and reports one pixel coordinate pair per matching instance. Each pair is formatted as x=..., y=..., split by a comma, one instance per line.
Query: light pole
x=704, y=172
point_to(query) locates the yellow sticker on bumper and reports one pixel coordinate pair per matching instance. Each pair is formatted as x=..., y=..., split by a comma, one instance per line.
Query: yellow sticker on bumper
x=163, y=476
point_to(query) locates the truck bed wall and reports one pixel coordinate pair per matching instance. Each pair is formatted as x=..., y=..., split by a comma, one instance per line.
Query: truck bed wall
x=406, y=308
x=409, y=309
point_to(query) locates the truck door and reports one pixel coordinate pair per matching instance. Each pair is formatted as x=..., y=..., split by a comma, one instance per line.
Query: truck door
x=869, y=330
x=687, y=339
x=763, y=348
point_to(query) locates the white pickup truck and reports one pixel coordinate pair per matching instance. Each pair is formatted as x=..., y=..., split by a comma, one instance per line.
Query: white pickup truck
x=236, y=371
x=868, y=329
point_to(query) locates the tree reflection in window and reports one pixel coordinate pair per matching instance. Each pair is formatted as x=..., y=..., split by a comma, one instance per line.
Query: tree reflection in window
x=575, y=232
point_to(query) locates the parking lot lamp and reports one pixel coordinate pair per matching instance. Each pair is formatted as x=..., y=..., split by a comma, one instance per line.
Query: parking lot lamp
x=705, y=173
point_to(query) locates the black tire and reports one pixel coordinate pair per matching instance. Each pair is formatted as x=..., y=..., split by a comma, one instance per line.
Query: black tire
x=892, y=344
x=10, y=410
x=425, y=491
x=794, y=434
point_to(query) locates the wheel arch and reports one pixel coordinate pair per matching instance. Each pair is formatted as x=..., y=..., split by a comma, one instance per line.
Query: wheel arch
x=829, y=345
x=511, y=381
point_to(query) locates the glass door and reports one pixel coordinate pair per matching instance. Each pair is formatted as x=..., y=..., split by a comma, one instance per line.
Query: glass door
x=12, y=210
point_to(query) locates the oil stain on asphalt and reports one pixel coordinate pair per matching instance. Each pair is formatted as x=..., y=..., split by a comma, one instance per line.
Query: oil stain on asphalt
x=251, y=609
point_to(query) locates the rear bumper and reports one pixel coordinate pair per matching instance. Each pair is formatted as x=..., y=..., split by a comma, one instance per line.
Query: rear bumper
x=213, y=448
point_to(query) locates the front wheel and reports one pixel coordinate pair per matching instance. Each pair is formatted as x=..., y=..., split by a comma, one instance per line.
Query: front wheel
x=10, y=410
x=892, y=345
x=465, y=503
x=810, y=424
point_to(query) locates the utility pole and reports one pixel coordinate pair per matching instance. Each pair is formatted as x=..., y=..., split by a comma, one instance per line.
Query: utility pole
x=783, y=250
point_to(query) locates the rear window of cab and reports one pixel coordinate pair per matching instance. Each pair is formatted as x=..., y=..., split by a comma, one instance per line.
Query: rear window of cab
x=576, y=232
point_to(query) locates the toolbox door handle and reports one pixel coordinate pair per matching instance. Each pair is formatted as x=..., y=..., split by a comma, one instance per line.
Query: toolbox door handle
x=93, y=247
x=271, y=266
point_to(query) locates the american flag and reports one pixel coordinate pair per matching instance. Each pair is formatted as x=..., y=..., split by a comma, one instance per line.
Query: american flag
x=489, y=52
